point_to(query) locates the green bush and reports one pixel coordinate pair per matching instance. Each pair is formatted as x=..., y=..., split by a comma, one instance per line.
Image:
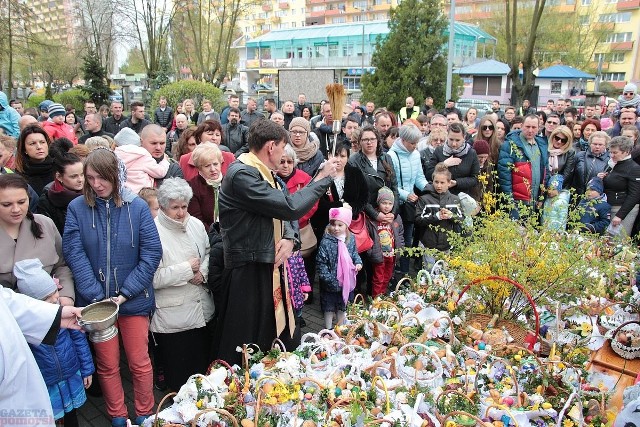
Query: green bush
x=75, y=97
x=34, y=101
x=193, y=89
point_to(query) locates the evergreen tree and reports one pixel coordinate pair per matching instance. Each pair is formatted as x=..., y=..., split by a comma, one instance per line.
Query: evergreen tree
x=162, y=79
x=96, y=79
x=412, y=60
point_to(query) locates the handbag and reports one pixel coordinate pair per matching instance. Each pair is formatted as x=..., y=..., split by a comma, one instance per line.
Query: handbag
x=358, y=227
x=308, y=241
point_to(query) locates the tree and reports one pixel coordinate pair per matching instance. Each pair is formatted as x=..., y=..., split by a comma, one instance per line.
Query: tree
x=163, y=74
x=192, y=89
x=95, y=77
x=97, y=29
x=522, y=86
x=411, y=60
x=134, y=63
x=55, y=64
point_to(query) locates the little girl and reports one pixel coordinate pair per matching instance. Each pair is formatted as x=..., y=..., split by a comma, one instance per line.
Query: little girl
x=67, y=366
x=141, y=167
x=338, y=263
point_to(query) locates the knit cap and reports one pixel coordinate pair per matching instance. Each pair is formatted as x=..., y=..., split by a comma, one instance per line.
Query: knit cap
x=555, y=182
x=127, y=136
x=481, y=146
x=596, y=184
x=32, y=280
x=301, y=122
x=630, y=87
x=44, y=105
x=340, y=214
x=56, y=110
x=385, y=195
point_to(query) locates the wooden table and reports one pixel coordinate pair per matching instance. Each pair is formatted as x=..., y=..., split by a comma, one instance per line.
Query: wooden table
x=606, y=361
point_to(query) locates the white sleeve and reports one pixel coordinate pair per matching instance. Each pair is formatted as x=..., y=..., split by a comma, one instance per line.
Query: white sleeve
x=34, y=318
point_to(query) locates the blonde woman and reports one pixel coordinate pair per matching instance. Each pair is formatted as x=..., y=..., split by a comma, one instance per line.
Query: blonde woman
x=562, y=157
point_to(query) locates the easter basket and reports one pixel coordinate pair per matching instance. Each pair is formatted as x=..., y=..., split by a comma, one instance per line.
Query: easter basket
x=450, y=400
x=516, y=333
x=416, y=363
x=463, y=419
x=625, y=340
x=615, y=314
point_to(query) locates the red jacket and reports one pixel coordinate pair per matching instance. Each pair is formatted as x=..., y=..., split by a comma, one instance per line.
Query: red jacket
x=299, y=180
x=60, y=130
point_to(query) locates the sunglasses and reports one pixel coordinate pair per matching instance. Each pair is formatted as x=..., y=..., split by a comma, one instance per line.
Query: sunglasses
x=559, y=138
x=627, y=93
x=488, y=127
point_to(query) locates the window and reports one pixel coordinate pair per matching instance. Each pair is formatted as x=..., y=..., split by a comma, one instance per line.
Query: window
x=613, y=77
x=485, y=86
x=347, y=49
x=293, y=25
x=556, y=87
x=615, y=17
x=571, y=2
x=377, y=2
x=360, y=4
x=351, y=83
x=463, y=9
x=319, y=51
x=333, y=50
x=585, y=2
x=618, y=37
x=617, y=57
x=339, y=20
x=583, y=19
x=553, y=2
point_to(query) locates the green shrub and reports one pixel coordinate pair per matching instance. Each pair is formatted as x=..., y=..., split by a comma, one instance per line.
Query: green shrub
x=193, y=89
x=34, y=101
x=75, y=97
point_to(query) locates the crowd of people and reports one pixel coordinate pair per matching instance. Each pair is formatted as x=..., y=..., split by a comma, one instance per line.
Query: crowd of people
x=209, y=229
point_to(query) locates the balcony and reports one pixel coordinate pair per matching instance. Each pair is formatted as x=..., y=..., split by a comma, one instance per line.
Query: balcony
x=267, y=7
x=333, y=12
x=627, y=4
x=259, y=21
x=621, y=46
x=283, y=5
x=317, y=13
x=594, y=65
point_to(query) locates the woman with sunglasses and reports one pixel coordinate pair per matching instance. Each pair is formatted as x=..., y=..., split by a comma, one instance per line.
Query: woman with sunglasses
x=487, y=132
x=562, y=157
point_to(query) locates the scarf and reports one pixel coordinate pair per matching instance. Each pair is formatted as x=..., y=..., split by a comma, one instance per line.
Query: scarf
x=346, y=269
x=60, y=196
x=633, y=102
x=553, y=158
x=281, y=313
x=460, y=152
x=307, y=151
x=215, y=184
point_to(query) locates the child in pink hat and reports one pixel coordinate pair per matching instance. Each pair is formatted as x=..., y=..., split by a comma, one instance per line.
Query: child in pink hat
x=338, y=264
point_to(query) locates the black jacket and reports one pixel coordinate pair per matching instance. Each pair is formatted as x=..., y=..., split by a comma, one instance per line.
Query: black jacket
x=299, y=108
x=465, y=174
x=235, y=137
x=88, y=135
x=376, y=178
x=113, y=126
x=137, y=127
x=434, y=231
x=163, y=118
x=622, y=186
x=174, y=171
x=248, y=205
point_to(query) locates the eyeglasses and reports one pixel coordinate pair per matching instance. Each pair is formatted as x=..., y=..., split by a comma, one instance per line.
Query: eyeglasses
x=559, y=138
x=488, y=127
x=365, y=140
x=439, y=124
x=287, y=162
x=627, y=93
x=298, y=132
x=549, y=122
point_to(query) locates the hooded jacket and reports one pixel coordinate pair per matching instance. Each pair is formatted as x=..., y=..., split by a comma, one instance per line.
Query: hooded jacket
x=113, y=250
x=9, y=117
x=408, y=169
x=142, y=168
x=435, y=230
x=327, y=261
x=67, y=356
x=60, y=130
x=53, y=203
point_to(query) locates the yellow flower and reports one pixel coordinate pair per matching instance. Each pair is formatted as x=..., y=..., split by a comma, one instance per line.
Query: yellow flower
x=200, y=404
x=567, y=423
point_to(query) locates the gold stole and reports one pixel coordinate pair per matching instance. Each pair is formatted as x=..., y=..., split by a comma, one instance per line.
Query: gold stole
x=251, y=159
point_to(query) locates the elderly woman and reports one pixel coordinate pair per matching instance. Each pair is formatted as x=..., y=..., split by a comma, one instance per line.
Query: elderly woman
x=622, y=184
x=460, y=158
x=207, y=158
x=591, y=162
x=207, y=131
x=184, y=305
x=307, y=151
x=32, y=157
x=428, y=144
x=562, y=157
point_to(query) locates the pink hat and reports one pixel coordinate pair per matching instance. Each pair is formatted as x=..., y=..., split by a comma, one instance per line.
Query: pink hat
x=341, y=214
x=606, y=123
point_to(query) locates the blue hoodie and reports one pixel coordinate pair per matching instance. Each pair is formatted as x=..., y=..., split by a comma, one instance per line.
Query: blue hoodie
x=9, y=117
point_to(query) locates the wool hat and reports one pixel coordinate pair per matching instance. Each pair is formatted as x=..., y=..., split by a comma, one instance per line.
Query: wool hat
x=555, y=182
x=630, y=87
x=596, y=184
x=301, y=122
x=385, y=195
x=32, y=280
x=340, y=214
x=481, y=146
x=127, y=136
x=44, y=105
x=56, y=110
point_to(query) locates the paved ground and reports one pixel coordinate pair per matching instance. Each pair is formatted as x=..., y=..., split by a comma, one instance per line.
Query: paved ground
x=94, y=413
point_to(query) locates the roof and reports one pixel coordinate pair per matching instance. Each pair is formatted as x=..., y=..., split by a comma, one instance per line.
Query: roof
x=563, y=72
x=371, y=30
x=321, y=32
x=470, y=31
x=490, y=67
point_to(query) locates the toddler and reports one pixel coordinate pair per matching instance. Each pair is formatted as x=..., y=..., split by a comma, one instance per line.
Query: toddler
x=141, y=167
x=66, y=366
x=594, y=210
x=628, y=99
x=150, y=195
x=438, y=212
x=556, y=205
x=390, y=238
x=338, y=263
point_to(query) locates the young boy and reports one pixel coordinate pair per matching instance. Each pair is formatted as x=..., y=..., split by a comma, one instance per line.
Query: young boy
x=595, y=211
x=628, y=99
x=150, y=195
x=438, y=212
x=556, y=205
x=390, y=238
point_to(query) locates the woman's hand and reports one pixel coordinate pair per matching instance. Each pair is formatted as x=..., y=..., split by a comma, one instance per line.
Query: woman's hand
x=358, y=267
x=87, y=381
x=385, y=218
x=119, y=299
x=601, y=175
x=453, y=183
x=195, y=264
x=412, y=198
x=197, y=279
x=452, y=161
x=616, y=221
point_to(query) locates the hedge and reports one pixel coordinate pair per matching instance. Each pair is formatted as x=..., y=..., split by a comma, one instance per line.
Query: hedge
x=193, y=89
x=74, y=97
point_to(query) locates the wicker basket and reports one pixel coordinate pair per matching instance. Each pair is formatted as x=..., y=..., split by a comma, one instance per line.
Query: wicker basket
x=622, y=350
x=455, y=417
